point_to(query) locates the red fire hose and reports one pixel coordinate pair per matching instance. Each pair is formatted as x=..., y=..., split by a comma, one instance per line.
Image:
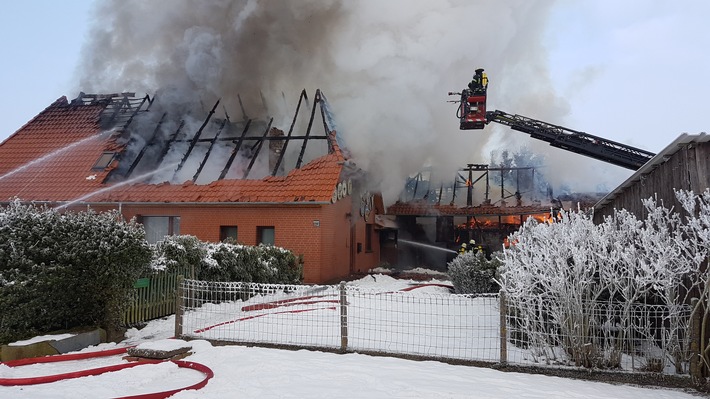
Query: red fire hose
x=208, y=374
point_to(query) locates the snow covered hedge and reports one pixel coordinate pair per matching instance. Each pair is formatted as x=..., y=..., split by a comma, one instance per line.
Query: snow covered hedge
x=556, y=274
x=472, y=273
x=227, y=262
x=59, y=271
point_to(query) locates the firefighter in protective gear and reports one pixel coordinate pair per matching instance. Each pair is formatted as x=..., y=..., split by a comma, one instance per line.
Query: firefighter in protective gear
x=473, y=247
x=462, y=250
x=479, y=83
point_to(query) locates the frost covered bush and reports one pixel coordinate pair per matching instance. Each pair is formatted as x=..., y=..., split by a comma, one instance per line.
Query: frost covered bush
x=182, y=254
x=228, y=262
x=580, y=286
x=59, y=271
x=472, y=273
x=260, y=264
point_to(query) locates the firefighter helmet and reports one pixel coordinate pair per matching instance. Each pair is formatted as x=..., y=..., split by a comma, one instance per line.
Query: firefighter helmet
x=463, y=245
x=472, y=242
x=479, y=70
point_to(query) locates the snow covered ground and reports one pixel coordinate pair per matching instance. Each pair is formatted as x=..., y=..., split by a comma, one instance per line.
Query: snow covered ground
x=271, y=373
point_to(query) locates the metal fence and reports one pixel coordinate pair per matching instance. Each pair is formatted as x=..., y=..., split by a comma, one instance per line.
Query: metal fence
x=601, y=335
x=435, y=326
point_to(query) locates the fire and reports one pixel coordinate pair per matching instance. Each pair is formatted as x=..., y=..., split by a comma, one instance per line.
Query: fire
x=509, y=220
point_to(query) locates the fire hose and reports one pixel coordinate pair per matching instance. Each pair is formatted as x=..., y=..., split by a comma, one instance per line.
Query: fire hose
x=206, y=371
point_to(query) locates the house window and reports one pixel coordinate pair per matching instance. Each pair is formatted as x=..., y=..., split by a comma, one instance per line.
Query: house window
x=265, y=235
x=368, y=237
x=228, y=232
x=157, y=227
x=104, y=161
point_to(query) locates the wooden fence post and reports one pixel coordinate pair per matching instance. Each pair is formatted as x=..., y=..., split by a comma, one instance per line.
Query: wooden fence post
x=178, y=307
x=343, y=318
x=694, y=362
x=503, y=308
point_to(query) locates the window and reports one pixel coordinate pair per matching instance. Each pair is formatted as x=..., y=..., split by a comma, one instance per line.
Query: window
x=226, y=232
x=368, y=237
x=265, y=235
x=157, y=227
x=104, y=161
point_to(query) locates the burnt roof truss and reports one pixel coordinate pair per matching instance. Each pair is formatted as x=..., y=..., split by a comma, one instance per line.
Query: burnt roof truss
x=418, y=187
x=219, y=142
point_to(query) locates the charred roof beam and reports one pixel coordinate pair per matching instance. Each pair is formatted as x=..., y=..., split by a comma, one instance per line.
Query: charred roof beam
x=235, y=150
x=316, y=101
x=290, y=131
x=209, y=150
x=150, y=143
x=258, y=145
x=194, y=139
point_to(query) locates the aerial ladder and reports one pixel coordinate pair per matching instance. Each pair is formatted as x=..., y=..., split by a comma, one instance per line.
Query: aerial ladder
x=472, y=114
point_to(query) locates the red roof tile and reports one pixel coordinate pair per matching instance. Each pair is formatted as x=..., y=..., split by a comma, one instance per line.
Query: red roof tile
x=50, y=159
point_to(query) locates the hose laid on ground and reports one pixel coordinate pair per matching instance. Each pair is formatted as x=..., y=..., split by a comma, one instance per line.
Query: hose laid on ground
x=101, y=370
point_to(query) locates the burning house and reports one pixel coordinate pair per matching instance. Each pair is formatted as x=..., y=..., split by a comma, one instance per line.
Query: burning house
x=483, y=203
x=202, y=173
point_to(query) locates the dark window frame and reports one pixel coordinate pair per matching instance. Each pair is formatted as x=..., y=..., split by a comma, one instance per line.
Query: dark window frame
x=173, y=224
x=260, y=235
x=369, y=227
x=224, y=232
x=104, y=160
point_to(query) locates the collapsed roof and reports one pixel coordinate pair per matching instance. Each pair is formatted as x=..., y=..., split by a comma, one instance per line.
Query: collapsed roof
x=119, y=148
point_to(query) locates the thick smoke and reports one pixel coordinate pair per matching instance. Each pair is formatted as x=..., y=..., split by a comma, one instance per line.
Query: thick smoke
x=385, y=66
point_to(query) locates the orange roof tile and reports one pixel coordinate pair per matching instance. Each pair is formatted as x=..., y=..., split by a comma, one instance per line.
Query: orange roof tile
x=50, y=159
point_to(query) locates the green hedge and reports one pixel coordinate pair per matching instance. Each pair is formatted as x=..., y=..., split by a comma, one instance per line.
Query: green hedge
x=59, y=271
x=228, y=262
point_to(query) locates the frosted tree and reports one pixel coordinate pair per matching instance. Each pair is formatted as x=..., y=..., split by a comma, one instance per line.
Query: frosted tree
x=550, y=275
x=695, y=244
x=588, y=293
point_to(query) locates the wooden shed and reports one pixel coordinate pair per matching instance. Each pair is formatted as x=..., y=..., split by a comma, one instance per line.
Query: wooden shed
x=683, y=164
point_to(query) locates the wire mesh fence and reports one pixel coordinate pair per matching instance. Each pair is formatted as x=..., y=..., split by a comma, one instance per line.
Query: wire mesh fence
x=348, y=318
x=422, y=324
x=342, y=318
x=261, y=313
x=602, y=335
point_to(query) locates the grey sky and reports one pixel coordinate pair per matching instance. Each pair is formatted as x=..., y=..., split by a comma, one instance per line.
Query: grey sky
x=633, y=71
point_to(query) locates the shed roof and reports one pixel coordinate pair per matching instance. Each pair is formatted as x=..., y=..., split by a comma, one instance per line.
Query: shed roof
x=651, y=165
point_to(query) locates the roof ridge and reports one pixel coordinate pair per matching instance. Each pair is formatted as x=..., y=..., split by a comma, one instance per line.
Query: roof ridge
x=60, y=102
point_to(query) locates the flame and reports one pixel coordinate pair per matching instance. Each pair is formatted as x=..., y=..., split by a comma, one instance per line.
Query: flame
x=492, y=222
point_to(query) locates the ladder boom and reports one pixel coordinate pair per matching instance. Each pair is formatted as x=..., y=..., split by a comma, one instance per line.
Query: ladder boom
x=571, y=140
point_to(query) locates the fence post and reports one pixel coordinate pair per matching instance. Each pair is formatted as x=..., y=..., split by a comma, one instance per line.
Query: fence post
x=503, y=308
x=178, y=306
x=343, y=318
x=694, y=362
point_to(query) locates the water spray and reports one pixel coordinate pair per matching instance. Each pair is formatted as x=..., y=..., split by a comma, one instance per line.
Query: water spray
x=45, y=157
x=109, y=188
x=419, y=244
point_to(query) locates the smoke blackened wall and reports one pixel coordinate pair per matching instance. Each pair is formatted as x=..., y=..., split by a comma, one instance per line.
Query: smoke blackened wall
x=385, y=66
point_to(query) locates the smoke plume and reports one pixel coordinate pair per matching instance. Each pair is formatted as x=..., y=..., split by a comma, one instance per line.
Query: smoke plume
x=385, y=67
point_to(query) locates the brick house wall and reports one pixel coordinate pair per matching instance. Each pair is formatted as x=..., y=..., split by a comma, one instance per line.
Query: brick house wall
x=323, y=233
